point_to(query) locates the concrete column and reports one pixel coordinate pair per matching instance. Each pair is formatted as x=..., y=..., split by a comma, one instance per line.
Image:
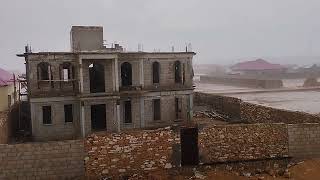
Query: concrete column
x=141, y=73
x=118, y=116
x=113, y=76
x=82, y=119
x=190, y=107
x=142, y=122
x=80, y=75
x=116, y=74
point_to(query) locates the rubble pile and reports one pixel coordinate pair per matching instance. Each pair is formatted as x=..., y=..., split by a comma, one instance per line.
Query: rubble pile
x=211, y=115
x=129, y=152
x=242, y=142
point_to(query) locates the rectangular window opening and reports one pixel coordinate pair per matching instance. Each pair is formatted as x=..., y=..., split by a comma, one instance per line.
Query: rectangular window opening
x=127, y=112
x=156, y=110
x=46, y=115
x=178, y=107
x=68, y=114
x=65, y=74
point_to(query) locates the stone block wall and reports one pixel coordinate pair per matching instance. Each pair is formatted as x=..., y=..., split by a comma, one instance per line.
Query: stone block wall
x=130, y=152
x=254, y=113
x=58, y=129
x=50, y=160
x=304, y=140
x=243, y=81
x=4, y=127
x=229, y=106
x=44, y=89
x=108, y=76
x=224, y=143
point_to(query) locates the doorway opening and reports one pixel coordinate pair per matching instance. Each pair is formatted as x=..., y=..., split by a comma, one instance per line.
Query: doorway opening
x=96, y=75
x=98, y=117
x=189, y=146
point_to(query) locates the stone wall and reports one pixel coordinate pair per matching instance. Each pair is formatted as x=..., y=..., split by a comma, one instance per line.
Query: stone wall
x=131, y=152
x=304, y=140
x=51, y=160
x=253, y=113
x=224, y=143
x=253, y=82
x=229, y=106
x=4, y=128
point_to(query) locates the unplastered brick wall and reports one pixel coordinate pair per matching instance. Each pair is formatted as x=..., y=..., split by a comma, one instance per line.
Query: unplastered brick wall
x=4, y=127
x=224, y=143
x=253, y=113
x=304, y=140
x=50, y=160
x=115, y=154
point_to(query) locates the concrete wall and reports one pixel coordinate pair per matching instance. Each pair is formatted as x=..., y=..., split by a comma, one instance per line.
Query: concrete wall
x=4, y=100
x=110, y=114
x=131, y=152
x=224, y=143
x=84, y=38
x=59, y=129
x=108, y=76
x=51, y=160
x=43, y=88
x=304, y=140
x=4, y=127
x=167, y=73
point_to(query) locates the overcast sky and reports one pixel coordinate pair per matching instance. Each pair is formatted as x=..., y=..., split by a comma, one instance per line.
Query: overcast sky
x=221, y=31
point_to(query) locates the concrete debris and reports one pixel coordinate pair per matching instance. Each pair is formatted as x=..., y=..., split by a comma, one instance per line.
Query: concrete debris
x=197, y=175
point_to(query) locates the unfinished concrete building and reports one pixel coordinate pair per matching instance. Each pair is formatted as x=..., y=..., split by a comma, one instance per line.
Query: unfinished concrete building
x=94, y=88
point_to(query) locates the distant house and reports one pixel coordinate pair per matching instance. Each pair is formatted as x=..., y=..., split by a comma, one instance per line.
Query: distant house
x=7, y=95
x=257, y=67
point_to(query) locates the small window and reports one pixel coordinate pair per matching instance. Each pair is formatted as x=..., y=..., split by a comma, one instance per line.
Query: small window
x=43, y=71
x=66, y=71
x=68, y=115
x=127, y=112
x=156, y=72
x=178, y=107
x=177, y=72
x=46, y=115
x=126, y=74
x=156, y=110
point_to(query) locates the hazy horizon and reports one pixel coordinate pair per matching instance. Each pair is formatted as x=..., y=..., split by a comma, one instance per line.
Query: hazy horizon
x=221, y=32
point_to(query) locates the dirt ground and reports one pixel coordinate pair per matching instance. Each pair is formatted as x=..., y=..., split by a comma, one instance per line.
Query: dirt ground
x=303, y=170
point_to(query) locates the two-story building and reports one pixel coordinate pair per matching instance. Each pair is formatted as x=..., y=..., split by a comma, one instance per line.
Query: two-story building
x=94, y=88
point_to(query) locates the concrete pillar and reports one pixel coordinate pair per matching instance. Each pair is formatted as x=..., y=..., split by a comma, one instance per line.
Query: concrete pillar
x=116, y=74
x=141, y=73
x=82, y=119
x=118, y=119
x=142, y=122
x=80, y=75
